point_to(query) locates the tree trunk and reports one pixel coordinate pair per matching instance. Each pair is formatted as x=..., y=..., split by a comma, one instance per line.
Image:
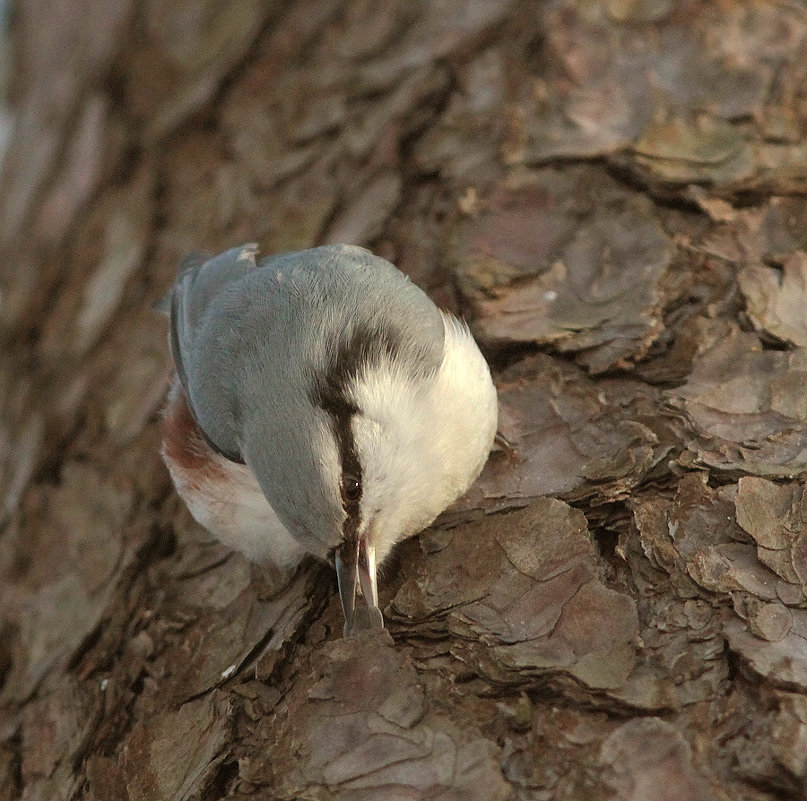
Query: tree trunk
x=613, y=195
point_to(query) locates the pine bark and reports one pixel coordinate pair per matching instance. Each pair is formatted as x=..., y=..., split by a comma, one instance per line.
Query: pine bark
x=613, y=195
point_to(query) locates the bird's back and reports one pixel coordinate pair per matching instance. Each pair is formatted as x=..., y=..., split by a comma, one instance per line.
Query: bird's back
x=250, y=334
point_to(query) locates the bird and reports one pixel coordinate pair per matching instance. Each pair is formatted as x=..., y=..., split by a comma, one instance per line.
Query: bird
x=322, y=405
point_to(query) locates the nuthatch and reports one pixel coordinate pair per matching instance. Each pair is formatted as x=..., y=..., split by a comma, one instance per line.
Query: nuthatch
x=323, y=405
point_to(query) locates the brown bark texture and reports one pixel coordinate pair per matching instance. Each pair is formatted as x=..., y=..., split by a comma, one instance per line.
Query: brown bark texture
x=613, y=194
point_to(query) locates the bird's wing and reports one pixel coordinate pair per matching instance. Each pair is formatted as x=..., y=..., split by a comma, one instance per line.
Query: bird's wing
x=193, y=260
x=200, y=279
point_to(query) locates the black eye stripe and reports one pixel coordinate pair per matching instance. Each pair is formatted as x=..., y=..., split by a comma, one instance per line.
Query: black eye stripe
x=361, y=348
x=351, y=476
x=350, y=487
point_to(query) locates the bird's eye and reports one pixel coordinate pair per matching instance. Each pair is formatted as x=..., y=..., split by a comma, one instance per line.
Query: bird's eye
x=351, y=487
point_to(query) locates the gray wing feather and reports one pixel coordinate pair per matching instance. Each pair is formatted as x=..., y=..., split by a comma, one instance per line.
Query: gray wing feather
x=200, y=280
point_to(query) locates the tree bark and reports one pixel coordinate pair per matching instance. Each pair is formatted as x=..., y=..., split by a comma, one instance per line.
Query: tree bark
x=613, y=195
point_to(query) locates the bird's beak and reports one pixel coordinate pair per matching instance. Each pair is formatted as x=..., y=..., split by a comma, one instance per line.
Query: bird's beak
x=356, y=572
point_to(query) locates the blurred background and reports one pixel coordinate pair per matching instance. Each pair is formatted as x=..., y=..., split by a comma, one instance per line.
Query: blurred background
x=613, y=195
